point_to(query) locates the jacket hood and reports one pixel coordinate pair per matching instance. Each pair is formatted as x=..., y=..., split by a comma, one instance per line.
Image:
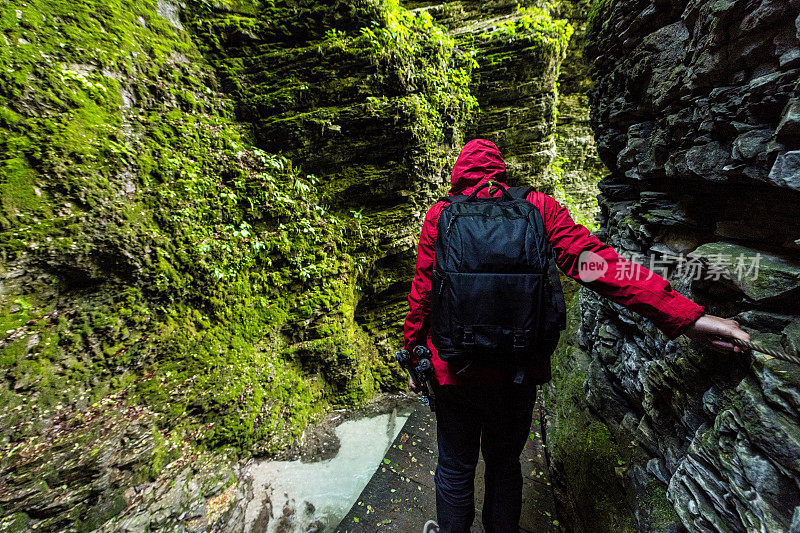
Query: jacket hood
x=480, y=160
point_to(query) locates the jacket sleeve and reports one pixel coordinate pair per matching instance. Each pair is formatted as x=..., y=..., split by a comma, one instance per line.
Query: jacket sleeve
x=624, y=282
x=417, y=320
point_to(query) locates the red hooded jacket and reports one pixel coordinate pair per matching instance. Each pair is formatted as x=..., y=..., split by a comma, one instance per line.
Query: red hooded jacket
x=624, y=282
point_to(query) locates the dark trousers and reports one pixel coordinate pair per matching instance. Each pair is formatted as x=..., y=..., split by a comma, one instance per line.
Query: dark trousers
x=497, y=421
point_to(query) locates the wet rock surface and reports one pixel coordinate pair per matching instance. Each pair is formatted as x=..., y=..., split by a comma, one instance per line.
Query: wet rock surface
x=693, y=108
x=314, y=489
x=319, y=442
x=110, y=460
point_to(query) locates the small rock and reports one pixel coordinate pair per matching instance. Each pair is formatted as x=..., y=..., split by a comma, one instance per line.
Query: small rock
x=786, y=170
x=751, y=144
x=706, y=161
x=788, y=129
x=795, y=527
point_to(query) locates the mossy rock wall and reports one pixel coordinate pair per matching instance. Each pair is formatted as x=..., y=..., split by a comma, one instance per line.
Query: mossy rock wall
x=151, y=252
x=577, y=166
x=369, y=98
x=583, y=456
x=518, y=48
x=379, y=113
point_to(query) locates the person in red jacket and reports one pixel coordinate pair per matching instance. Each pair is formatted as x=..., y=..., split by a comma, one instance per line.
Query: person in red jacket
x=482, y=408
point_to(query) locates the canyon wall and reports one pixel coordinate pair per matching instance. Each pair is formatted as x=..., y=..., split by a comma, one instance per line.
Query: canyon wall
x=695, y=110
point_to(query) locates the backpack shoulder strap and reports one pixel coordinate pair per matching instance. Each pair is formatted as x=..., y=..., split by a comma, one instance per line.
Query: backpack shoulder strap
x=520, y=193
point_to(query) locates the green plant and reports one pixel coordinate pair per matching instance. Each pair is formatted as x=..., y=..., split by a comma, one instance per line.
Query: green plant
x=534, y=24
x=426, y=53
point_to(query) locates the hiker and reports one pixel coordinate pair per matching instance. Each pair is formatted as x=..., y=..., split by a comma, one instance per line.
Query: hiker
x=489, y=406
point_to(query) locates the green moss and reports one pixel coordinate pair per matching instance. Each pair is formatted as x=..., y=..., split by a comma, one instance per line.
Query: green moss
x=198, y=266
x=111, y=505
x=16, y=523
x=581, y=446
x=412, y=88
x=582, y=214
x=421, y=50
x=598, y=18
x=662, y=515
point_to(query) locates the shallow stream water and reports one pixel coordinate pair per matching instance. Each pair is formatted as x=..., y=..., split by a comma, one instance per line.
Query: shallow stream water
x=293, y=496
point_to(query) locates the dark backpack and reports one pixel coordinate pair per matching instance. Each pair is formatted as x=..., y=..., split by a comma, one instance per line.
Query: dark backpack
x=495, y=296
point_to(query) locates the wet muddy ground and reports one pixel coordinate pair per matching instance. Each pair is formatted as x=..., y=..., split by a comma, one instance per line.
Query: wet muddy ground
x=401, y=496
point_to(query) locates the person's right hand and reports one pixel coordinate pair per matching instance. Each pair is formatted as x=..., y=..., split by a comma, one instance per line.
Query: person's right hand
x=712, y=331
x=412, y=387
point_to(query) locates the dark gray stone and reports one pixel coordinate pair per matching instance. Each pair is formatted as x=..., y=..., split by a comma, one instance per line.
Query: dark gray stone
x=696, y=112
x=706, y=161
x=786, y=170
x=795, y=527
x=757, y=274
x=788, y=131
x=751, y=144
x=797, y=25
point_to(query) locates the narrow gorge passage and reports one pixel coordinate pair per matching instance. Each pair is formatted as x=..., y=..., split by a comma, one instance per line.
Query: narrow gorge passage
x=209, y=219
